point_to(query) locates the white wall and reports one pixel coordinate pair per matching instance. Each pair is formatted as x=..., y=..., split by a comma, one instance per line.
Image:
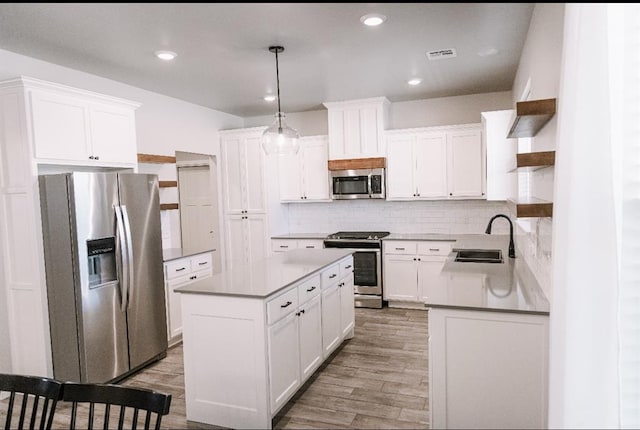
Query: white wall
x=163, y=124
x=540, y=64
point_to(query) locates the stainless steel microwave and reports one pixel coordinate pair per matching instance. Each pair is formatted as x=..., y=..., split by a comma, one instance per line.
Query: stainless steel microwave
x=357, y=184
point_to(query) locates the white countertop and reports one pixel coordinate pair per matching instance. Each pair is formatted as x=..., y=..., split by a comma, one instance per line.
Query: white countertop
x=169, y=254
x=506, y=287
x=265, y=277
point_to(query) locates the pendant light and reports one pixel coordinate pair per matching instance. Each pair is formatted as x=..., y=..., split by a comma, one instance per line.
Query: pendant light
x=279, y=138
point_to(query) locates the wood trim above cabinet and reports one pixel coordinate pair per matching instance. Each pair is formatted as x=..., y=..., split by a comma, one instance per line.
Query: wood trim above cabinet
x=531, y=116
x=159, y=159
x=358, y=163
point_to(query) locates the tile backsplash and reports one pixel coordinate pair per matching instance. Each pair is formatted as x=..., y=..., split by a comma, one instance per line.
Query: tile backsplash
x=452, y=217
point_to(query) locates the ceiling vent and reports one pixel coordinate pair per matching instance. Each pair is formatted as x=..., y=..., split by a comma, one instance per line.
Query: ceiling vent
x=441, y=53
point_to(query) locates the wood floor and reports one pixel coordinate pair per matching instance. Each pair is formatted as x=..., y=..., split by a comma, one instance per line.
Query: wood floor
x=378, y=379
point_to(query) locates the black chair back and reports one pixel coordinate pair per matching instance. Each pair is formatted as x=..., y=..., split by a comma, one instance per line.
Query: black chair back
x=32, y=400
x=128, y=402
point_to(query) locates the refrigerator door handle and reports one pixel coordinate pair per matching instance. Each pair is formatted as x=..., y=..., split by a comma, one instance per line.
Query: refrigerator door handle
x=129, y=267
x=124, y=282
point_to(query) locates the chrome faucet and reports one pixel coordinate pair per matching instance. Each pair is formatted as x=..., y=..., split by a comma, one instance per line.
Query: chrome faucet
x=512, y=248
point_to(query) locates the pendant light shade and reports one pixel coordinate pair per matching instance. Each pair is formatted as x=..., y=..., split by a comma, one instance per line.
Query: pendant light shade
x=279, y=138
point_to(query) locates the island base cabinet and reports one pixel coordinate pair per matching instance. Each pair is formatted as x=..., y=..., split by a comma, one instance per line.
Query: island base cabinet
x=225, y=361
x=487, y=369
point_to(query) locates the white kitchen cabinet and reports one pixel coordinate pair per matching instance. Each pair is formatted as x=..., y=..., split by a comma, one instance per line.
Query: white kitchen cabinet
x=356, y=128
x=78, y=127
x=246, y=238
x=338, y=307
x=243, y=167
x=487, y=369
x=305, y=176
x=284, y=244
x=502, y=180
x=310, y=334
x=178, y=273
x=412, y=271
x=435, y=163
x=284, y=359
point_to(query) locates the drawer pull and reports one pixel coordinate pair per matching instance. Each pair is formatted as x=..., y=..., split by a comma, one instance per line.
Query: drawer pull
x=310, y=289
x=203, y=263
x=192, y=277
x=181, y=269
x=348, y=267
x=284, y=246
x=310, y=246
x=399, y=249
x=332, y=276
x=434, y=249
x=285, y=305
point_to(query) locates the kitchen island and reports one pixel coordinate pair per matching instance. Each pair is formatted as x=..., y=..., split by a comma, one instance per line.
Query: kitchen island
x=488, y=343
x=253, y=335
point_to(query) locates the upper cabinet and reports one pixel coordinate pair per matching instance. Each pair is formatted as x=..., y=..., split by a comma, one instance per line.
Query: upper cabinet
x=304, y=176
x=502, y=182
x=531, y=116
x=356, y=128
x=243, y=168
x=76, y=127
x=435, y=163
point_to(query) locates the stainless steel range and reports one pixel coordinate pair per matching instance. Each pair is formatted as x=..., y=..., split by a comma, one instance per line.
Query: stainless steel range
x=367, y=261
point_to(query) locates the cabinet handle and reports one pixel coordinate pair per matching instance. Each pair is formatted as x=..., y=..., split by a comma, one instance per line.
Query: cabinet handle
x=91, y=157
x=311, y=289
x=203, y=263
x=297, y=314
x=285, y=305
x=284, y=246
x=301, y=197
x=450, y=194
x=192, y=277
x=302, y=311
x=415, y=259
x=310, y=247
x=181, y=269
x=96, y=158
x=418, y=194
x=419, y=259
x=434, y=249
x=341, y=284
x=399, y=249
x=348, y=267
x=332, y=276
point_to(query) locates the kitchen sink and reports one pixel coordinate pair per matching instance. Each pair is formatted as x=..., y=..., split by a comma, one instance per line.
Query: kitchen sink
x=479, y=256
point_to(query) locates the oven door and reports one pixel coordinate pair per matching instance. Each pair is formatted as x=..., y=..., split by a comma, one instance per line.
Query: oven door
x=366, y=271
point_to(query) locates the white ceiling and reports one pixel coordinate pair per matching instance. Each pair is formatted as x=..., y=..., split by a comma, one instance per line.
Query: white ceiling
x=223, y=59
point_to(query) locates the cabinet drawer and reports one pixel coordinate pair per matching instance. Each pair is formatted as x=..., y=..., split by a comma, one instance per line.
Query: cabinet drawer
x=201, y=262
x=278, y=245
x=400, y=247
x=310, y=243
x=346, y=267
x=330, y=275
x=282, y=305
x=309, y=289
x=434, y=248
x=178, y=268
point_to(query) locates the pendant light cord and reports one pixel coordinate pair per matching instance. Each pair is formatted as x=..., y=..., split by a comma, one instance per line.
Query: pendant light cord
x=278, y=85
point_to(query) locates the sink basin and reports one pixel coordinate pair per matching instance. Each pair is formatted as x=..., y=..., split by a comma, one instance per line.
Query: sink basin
x=479, y=256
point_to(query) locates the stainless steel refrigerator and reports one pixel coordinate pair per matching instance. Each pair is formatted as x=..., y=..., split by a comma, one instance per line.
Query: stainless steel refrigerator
x=104, y=270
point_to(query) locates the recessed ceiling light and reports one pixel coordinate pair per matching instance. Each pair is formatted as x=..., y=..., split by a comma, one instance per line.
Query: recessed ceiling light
x=486, y=52
x=270, y=98
x=414, y=81
x=166, y=55
x=373, y=19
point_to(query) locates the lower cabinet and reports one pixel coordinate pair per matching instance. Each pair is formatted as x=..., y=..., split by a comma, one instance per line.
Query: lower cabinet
x=338, y=311
x=284, y=244
x=487, y=369
x=412, y=271
x=178, y=273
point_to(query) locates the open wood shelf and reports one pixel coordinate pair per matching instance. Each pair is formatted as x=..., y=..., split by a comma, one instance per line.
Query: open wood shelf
x=531, y=161
x=531, y=207
x=168, y=206
x=158, y=159
x=531, y=116
x=167, y=184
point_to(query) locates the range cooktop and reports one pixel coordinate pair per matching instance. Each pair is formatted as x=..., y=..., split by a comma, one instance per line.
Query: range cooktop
x=359, y=235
